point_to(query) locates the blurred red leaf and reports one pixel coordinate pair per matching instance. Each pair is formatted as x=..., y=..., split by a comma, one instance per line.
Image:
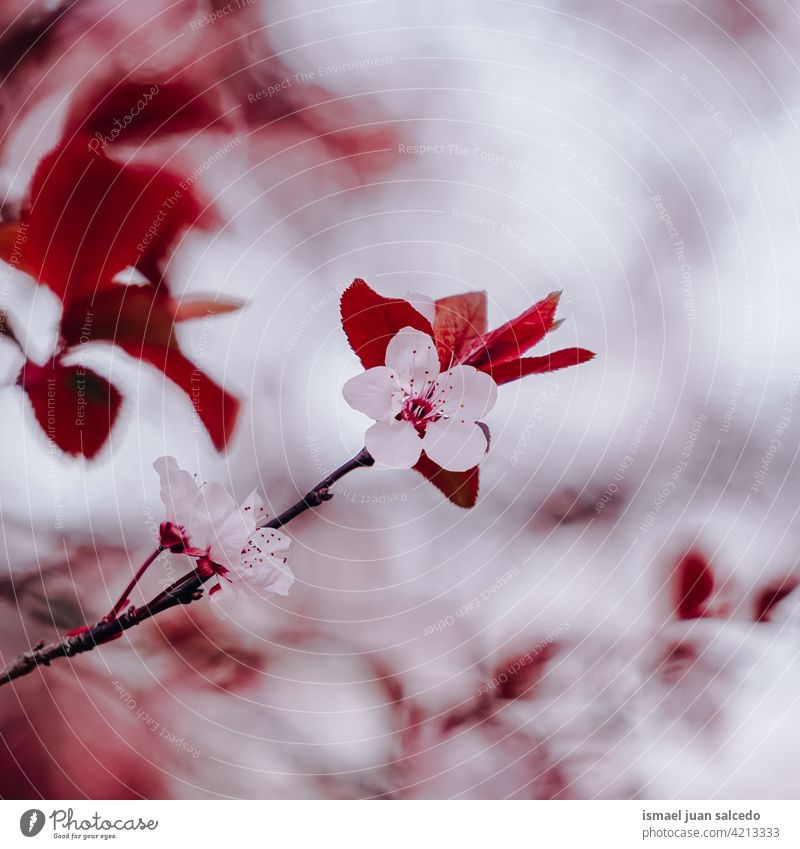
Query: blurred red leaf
x=518, y=678
x=461, y=488
x=141, y=321
x=12, y=238
x=75, y=407
x=133, y=111
x=516, y=369
x=189, y=308
x=46, y=735
x=87, y=218
x=515, y=337
x=772, y=595
x=216, y=408
x=370, y=321
x=460, y=320
x=122, y=315
x=694, y=583
x=135, y=314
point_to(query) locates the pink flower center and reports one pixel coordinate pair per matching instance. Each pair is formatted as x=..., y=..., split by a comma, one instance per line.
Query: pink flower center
x=419, y=411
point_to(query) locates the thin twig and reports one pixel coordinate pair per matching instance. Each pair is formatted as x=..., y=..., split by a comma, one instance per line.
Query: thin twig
x=321, y=492
x=125, y=597
x=185, y=590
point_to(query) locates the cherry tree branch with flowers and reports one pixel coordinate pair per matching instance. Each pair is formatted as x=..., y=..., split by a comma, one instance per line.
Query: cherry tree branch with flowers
x=185, y=590
x=432, y=371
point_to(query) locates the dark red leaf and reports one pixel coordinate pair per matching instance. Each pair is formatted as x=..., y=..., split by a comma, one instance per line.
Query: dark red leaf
x=515, y=337
x=516, y=369
x=459, y=321
x=694, y=583
x=216, y=408
x=772, y=595
x=88, y=217
x=135, y=315
x=12, y=240
x=132, y=112
x=75, y=407
x=519, y=677
x=8, y=252
x=123, y=315
x=141, y=321
x=370, y=321
x=459, y=487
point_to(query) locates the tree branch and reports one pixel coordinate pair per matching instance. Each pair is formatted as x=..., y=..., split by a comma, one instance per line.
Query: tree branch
x=321, y=492
x=185, y=590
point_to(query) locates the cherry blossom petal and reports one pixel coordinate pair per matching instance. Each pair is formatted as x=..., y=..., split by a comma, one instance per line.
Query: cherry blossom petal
x=178, y=490
x=394, y=444
x=413, y=358
x=254, y=505
x=455, y=444
x=465, y=393
x=263, y=564
x=261, y=569
x=231, y=536
x=212, y=506
x=373, y=392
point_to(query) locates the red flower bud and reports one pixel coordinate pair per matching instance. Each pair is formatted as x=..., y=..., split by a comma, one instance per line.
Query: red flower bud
x=173, y=537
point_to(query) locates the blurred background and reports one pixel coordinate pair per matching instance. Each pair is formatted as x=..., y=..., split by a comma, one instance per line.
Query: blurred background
x=616, y=617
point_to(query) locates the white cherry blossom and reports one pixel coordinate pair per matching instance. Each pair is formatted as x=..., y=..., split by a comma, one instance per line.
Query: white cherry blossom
x=416, y=408
x=222, y=535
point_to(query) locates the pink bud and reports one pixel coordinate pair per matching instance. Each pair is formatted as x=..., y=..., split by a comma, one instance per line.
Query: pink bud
x=173, y=537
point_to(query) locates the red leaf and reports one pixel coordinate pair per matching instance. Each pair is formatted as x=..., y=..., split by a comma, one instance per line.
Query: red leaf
x=370, y=321
x=515, y=337
x=133, y=112
x=75, y=407
x=141, y=321
x=459, y=487
x=772, y=595
x=519, y=677
x=189, y=308
x=12, y=239
x=460, y=320
x=88, y=217
x=123, y=315
x=216, y=408
x=693, y=587
x=516, y=369
x=135, y=314
x=9, y=252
